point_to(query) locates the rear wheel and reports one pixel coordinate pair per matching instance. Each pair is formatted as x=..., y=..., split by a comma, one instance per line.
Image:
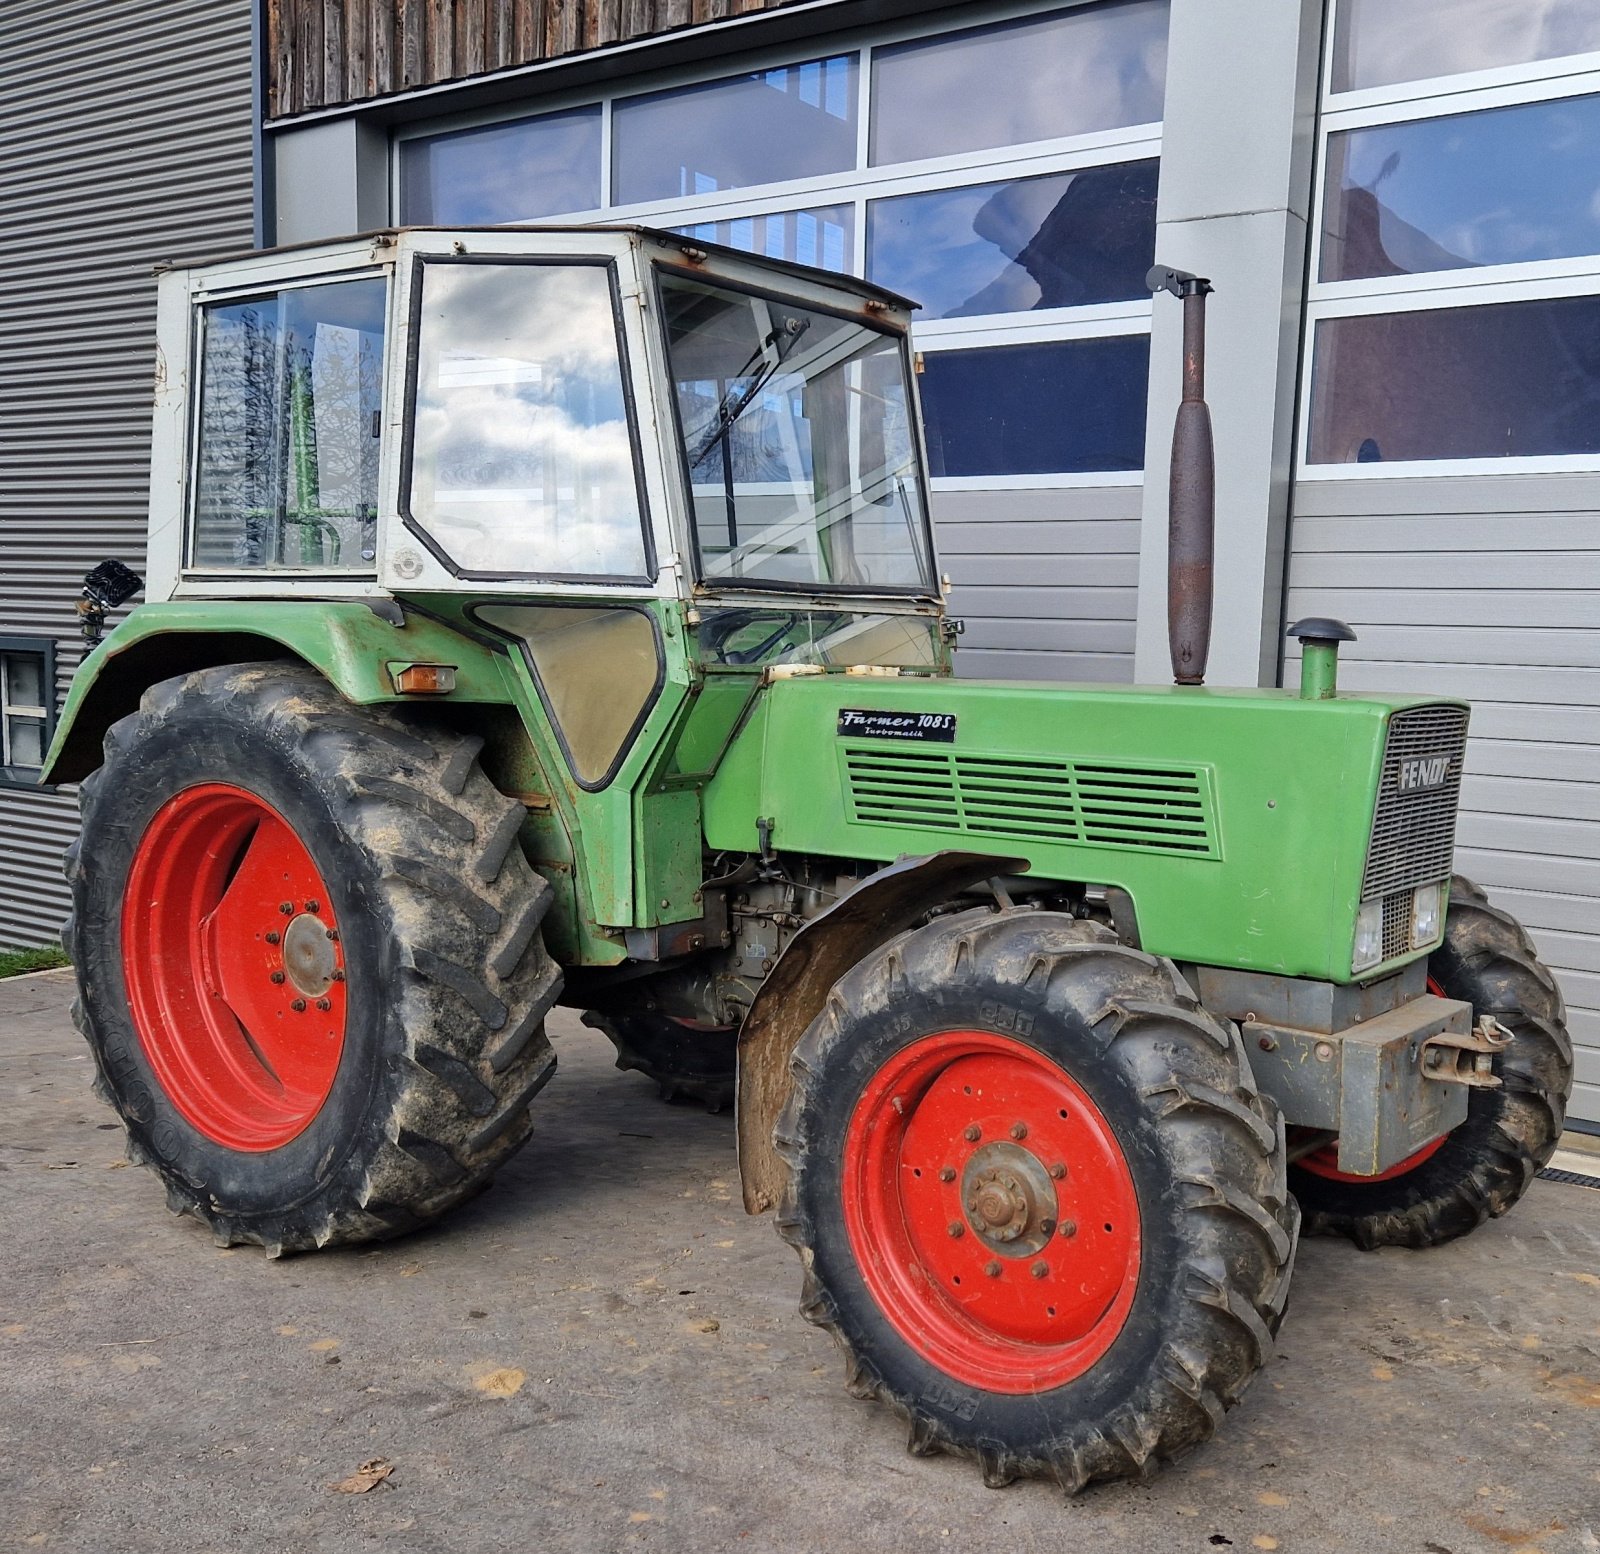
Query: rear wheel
x=1481, y=1168
x=309, y=958
x=1040, y=1204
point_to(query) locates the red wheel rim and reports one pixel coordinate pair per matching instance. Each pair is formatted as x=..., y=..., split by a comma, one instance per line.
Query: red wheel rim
x=234, y=970
x=991, y=1212
x=1324, y=1162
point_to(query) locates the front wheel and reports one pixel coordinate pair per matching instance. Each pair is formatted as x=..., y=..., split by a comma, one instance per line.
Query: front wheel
x=1479, y=1169
x=1039, y=1202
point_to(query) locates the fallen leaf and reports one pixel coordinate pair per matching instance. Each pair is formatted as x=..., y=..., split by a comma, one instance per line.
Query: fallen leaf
x=640, y=1516
x=323, y=1345
x=1382, y=1373
x=368, y=1476
x=288, y=1332
x=1263, y=1540
x=504, y=1382
x=1271, y=1497
x=708, y=1325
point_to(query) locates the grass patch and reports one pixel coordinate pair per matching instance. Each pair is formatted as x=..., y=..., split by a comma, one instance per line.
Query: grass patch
x=13, y=963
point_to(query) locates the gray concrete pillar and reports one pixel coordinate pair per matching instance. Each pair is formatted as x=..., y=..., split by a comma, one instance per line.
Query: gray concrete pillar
x=331, y=179
x=1236, y=165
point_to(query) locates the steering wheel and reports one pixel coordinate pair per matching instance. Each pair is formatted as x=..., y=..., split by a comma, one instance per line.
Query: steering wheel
x=715, y=632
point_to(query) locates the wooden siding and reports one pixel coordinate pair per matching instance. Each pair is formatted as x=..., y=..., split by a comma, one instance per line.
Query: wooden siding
x=325, y=52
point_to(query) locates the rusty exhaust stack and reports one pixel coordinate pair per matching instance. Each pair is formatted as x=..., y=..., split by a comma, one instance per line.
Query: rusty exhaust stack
x=1192, y=493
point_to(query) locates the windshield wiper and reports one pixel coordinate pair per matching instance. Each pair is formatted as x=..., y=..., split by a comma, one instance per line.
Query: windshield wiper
x=735, y=403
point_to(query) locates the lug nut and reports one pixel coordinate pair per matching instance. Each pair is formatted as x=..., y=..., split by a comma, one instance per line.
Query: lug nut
x=324, y=1004
x=277, y=976
x=1019, y=1130
x=972, y=1133
x=1047, y=1227
x=338, y=973
x=287, y=908
x=957, y=1229
x=313, y=906
x=1040, y=1269
x=273, y=936
x=947, y=1173
x=1058, y=1170
x=1069, y=1228
x=992, y=1268
x=299, y=1006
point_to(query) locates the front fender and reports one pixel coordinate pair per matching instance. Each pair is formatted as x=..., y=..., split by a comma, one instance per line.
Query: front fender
x=350, y=642
x=883, y=905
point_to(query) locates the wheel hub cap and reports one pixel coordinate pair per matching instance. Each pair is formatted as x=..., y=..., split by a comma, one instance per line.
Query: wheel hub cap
x=1010, y=1199
x=309, y=957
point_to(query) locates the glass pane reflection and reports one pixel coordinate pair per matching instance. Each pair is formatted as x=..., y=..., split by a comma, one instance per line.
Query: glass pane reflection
x=521, y=459
x=823, y=236
x=1507, y=380
x=1095, y=67
x=1379, y=42
x=793, y=122
x=1055, y=242
x=525, y=171
x=1498, y=187
x=1062, y=407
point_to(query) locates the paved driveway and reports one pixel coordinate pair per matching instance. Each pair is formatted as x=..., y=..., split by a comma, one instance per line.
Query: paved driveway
x=602, y=1353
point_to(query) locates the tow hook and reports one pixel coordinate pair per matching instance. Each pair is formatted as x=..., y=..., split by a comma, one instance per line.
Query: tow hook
x=1466, y=1060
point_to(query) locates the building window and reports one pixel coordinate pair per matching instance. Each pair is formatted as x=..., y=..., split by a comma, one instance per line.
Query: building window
x=1454, y=319
x=1072, y=406
x=27, y=705
x=535, y=168
x=1383, y=43
x=1003, y=176
x=772, y=126
x=1075, y=72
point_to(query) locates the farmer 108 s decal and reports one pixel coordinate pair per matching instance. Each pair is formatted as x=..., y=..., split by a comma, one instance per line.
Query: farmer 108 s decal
x=547, y=616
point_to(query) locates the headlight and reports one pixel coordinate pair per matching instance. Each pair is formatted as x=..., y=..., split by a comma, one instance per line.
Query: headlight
x=1369, y=936
x=1425, y=915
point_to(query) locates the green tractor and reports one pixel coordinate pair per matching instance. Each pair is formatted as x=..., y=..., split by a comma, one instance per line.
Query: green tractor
x=551, y=616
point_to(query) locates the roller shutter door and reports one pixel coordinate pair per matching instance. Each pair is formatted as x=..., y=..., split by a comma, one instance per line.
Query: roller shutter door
x=1487, y=589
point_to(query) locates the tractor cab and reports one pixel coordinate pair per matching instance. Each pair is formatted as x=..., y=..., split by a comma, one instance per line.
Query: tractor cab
x=598, y=413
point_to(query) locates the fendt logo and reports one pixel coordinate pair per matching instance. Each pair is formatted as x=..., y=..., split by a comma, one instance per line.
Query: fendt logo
x=1423, y=772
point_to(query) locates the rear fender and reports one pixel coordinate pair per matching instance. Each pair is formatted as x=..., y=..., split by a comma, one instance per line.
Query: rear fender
x=350, y=642
x=793, y=995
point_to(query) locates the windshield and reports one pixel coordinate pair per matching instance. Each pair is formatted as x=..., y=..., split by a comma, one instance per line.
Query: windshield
x=798, y=441
x=738, y=638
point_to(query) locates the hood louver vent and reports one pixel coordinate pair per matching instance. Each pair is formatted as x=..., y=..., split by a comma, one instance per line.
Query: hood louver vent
x=1091, y=804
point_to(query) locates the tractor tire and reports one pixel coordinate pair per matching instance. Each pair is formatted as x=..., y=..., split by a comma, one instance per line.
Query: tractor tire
x=1039, y=1202
x=687, y=1062
x=309, y=958
x=1479, y=1169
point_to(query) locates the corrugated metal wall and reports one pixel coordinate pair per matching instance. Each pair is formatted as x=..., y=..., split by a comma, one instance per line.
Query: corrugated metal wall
x=124, y=140
x=1486, y=589
x=322, y=52
x=1046, y=581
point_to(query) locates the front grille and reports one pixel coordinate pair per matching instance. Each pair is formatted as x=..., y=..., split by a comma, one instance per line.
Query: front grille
x=1397, y=924
x=1414, y=833
x=1151, y=809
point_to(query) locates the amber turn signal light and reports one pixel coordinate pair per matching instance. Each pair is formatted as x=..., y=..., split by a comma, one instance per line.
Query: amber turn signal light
x=423, y=679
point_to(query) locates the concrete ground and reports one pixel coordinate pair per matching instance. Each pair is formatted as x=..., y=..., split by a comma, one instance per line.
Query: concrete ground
x=602, y=1353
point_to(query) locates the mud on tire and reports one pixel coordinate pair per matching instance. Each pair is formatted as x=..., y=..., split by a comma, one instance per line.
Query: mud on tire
x=448, y=981
x=1488, y=1162
x=1205, y=1152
